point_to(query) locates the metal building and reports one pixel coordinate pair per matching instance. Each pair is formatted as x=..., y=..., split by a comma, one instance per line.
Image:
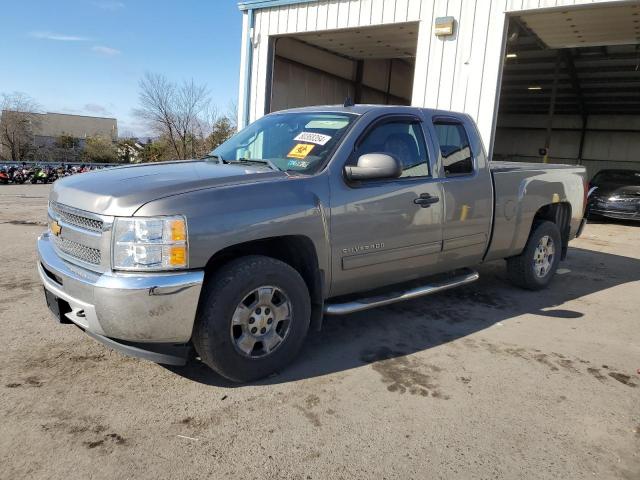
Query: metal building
x=546, y=80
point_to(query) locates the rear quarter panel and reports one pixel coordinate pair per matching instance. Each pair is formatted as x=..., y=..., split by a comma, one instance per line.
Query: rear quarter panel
x=520, y=191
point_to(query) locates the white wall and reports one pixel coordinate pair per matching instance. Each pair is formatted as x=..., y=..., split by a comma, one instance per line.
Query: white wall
x=460, y=73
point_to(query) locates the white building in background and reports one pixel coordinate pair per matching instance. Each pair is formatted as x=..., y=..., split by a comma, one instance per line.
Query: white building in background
x=518, y=67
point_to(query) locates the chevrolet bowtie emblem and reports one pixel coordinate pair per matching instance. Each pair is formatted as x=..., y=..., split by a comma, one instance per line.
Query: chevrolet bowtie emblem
x=55, y=228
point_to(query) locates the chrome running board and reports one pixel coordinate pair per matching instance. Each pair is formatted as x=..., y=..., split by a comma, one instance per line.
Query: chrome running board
x=463, y=278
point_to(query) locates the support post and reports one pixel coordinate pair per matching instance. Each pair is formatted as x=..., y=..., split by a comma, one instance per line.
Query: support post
x=388, y=96
x=357, y=94
x=552, y=107
x=583, y=134
x=248, y=67
x=577, y=90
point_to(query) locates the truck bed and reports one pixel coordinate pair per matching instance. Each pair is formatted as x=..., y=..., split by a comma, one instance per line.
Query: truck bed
x=505, y=166
x=519, y=189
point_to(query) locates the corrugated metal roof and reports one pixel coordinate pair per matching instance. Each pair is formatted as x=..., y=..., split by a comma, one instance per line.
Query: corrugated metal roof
x=587, y=27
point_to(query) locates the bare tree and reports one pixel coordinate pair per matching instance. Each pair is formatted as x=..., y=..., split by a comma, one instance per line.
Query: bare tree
x=17, y=125
x=232, y=114
x=174, y=112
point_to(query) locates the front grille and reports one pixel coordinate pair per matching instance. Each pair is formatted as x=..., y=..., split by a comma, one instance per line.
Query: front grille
x=76, y=219
x=77, y=251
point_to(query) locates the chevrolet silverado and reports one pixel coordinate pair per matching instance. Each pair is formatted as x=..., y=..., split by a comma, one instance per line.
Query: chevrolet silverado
x=305, y=213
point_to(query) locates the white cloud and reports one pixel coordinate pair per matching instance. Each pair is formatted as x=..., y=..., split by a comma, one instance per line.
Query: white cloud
x=97, y=109
x=107, y=51
x=107, y=5
x=58, y=37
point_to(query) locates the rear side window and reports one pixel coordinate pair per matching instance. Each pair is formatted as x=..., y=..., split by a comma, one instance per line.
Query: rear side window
x=402, y=139
x=454, y=148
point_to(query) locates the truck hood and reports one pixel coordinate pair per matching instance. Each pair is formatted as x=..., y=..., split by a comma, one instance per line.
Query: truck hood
x=121, y=191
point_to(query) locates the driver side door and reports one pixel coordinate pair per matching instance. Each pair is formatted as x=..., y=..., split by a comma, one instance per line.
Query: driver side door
x=386, y=231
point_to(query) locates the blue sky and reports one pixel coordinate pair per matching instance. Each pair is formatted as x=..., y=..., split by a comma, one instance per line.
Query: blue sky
x=87, y=56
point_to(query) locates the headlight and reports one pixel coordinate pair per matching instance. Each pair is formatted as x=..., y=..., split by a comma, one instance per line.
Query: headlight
x=624, y=198
x=158, y=243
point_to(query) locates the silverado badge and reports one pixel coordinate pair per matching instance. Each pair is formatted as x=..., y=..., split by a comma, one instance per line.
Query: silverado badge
x=55, y=228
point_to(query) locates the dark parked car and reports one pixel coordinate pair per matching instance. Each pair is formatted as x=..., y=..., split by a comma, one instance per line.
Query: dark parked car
x=615, y=194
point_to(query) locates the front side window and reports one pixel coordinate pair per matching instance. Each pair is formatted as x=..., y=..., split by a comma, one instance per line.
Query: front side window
x=402, y=139
x=297, y=141
x=456, y=153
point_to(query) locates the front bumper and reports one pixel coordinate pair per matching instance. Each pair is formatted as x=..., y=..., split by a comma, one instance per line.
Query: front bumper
x=617, y=214
x=134, y=308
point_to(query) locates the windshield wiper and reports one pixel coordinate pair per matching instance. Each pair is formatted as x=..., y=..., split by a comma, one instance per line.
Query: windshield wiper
x=258, y=161
x=217, y=157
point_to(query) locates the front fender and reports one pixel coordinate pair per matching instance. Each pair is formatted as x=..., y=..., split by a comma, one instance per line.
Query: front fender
x=222, y=217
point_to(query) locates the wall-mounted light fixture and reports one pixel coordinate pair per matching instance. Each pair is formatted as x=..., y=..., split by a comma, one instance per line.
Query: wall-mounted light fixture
x=512, y=55
x=444, y=26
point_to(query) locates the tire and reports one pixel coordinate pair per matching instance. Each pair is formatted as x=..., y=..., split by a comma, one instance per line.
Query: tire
x=529, y=270
x=222, y=333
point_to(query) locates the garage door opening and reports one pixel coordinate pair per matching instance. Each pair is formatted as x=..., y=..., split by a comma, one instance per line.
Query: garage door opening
x=368, y=65
x=571, y=88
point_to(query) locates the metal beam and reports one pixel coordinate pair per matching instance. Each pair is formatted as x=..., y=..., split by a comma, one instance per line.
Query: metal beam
x=552, y=107
x=357, y=97
x=248, y=68
x=251, y=4
x=584, y=115
x=569, y=129
x=530, y=33
x=390, y=66
x=544, y=101
x=546, y=70
x=604, y=110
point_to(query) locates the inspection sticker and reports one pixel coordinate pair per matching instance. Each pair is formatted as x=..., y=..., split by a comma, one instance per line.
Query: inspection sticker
x=301, y=151
x=317, y=138
x=297, y=164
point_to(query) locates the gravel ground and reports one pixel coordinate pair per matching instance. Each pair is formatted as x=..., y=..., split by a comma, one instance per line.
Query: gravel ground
x=486, y=381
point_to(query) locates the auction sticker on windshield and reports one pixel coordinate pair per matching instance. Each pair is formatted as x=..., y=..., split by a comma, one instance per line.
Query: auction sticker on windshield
x=317, y=138
x=300, y=151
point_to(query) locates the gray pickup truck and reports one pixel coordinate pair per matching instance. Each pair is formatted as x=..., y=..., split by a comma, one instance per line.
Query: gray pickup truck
x=305, y=213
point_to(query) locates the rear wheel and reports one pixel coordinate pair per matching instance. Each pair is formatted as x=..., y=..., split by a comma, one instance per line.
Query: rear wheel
x=535, y=267
x=252, y=319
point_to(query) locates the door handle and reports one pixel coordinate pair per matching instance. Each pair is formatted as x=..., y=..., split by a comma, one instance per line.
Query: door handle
x=425, y=200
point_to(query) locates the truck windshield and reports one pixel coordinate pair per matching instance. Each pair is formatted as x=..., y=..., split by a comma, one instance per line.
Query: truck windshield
x=299, y=142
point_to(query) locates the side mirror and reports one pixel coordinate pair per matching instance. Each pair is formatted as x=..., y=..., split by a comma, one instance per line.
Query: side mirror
x=374, y=165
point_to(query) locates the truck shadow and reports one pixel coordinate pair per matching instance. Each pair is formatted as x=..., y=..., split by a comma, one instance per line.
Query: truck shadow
x=351, y=341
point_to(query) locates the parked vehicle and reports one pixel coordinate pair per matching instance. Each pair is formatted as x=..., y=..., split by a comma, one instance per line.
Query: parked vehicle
x=615, y=194
x=304, y=213
x=52, y=174
x=39, y=176
x=17, y=175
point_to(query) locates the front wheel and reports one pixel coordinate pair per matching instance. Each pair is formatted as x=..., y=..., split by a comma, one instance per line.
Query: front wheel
x=535, y=267
x=253, y=316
